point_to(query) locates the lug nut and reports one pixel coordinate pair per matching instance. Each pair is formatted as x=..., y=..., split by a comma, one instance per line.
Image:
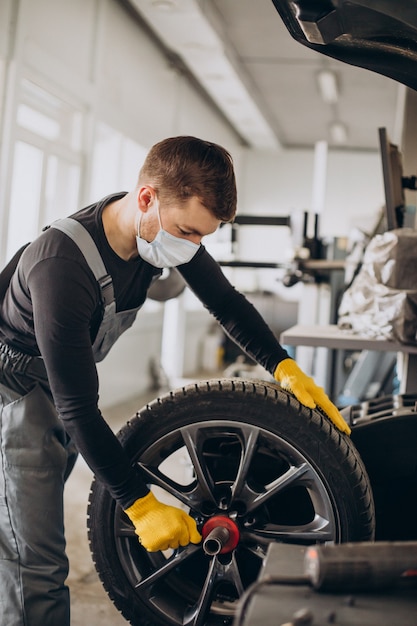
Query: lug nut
x=216, y=540
x=220, y=535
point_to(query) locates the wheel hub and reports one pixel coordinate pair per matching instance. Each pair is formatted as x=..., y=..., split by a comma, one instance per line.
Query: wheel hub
x=220, y=535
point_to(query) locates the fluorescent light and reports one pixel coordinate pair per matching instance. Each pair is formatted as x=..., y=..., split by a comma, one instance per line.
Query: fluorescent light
x=327, y=83
x=338, y=133
x=164, y=5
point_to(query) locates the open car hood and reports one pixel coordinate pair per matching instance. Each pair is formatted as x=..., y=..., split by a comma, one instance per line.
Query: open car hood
x=379, y=35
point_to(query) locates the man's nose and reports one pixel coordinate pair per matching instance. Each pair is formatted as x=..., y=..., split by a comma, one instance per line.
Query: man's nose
x=195, y=238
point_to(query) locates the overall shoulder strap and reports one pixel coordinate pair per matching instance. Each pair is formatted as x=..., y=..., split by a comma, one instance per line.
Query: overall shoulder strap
x=80, y=235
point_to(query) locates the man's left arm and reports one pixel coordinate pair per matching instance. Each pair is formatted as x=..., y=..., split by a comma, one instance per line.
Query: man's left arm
x=247, y=328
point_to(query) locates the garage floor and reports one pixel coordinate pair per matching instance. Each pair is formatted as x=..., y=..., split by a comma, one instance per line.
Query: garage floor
x=89, y=602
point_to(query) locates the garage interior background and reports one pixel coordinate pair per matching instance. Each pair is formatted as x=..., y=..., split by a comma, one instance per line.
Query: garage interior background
x=87, y=86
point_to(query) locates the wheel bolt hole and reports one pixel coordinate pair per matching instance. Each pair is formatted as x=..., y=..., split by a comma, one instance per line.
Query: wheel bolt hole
x=208, y=508
x=249, y=521
x=240, y=508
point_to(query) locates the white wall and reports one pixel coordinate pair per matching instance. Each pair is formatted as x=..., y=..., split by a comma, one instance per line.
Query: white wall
x=281, y=184
x=95, y=58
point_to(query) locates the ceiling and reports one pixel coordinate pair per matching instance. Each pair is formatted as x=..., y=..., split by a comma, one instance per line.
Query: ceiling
x=265, y=82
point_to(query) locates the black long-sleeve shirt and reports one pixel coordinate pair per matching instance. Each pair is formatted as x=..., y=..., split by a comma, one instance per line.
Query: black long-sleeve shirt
x=53, y=309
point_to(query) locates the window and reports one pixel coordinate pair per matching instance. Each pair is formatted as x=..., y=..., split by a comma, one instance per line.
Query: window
x=117, y=160
x=46, y=163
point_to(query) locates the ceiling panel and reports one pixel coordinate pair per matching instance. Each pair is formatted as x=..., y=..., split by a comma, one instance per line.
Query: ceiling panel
x=278, y=73
x=285, y=74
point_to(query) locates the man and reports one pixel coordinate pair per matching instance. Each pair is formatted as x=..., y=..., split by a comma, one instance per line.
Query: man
x=75, y=289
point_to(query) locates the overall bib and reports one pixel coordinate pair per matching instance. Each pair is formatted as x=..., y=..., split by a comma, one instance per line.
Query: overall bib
x=36, y=457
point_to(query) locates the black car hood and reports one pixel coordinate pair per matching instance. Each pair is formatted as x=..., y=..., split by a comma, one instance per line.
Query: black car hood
x=379, y=35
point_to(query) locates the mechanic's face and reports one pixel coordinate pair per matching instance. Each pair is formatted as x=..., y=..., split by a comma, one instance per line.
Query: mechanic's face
x=190, y=220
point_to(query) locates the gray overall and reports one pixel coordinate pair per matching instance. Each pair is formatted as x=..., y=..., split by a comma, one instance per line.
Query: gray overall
x=36, y=457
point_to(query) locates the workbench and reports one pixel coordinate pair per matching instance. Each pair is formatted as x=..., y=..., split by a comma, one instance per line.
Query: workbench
x=332, y=337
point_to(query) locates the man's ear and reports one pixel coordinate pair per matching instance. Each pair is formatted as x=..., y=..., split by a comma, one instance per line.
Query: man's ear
x=145, y=196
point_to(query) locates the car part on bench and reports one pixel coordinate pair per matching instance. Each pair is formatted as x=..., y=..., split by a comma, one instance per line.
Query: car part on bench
x=277, y=471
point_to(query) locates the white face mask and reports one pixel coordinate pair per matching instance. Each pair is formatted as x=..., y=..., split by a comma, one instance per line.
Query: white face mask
x=165, y=250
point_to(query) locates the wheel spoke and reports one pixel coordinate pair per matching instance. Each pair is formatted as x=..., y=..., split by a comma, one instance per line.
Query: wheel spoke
x=178, y=557
x=205, y=484
x=218, y=572
x=196, y=615
x=291, y=477
x=124, y=528
x=318, y=530
x=156, y=477
x=250, y=438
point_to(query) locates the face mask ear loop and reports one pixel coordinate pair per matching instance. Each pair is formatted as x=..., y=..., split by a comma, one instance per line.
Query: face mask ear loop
x=158, y=214
x=138, y=224
x=138, y=218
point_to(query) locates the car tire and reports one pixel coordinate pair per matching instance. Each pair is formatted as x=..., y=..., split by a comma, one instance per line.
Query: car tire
x=248, y=451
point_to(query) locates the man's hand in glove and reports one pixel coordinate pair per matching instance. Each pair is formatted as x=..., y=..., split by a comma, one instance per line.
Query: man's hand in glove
x=160, y=526
x=291, y=378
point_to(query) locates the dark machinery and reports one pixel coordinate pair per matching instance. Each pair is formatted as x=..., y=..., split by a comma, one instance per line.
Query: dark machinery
x=366, y=583
x=351, y=584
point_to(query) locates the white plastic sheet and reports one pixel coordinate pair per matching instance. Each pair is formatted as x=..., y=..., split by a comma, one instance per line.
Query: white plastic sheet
x=381, y=302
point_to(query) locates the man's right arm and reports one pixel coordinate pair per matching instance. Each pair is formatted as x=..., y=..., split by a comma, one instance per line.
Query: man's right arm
x=64, y=300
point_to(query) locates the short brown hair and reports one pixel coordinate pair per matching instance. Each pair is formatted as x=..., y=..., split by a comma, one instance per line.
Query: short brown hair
x=182, y=167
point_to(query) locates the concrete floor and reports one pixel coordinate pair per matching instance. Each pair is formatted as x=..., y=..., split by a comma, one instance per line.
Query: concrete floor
x=89, y=601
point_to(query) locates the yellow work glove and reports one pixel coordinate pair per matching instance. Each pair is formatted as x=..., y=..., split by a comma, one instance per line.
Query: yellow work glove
x=291, y=378
x=160, y=526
